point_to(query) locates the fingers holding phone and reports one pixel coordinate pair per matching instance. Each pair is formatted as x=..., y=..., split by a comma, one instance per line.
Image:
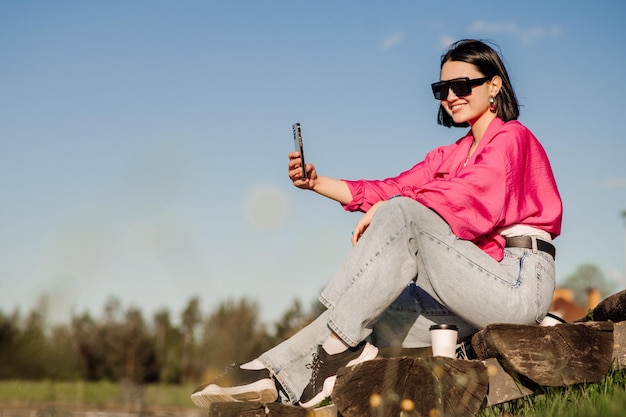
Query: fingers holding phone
x=300, y=174
x=299, y=147
x=295, y=167
x=295, y=172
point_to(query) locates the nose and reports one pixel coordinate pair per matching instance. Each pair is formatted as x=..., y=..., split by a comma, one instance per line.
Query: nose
x=450, y=93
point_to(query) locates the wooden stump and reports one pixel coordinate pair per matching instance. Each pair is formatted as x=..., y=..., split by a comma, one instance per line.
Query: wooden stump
x=560, y=355
x=612, y=308
x=502, y=386
x=619, y=345
x=433, y=386
x=256, y=409
x=325, y=411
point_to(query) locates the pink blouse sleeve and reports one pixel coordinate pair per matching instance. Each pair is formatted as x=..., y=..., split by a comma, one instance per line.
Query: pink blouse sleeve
x=366, y=193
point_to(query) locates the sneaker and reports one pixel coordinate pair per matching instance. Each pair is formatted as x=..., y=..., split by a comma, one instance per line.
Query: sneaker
x=465, y=351
x=237, y=384
x=324, y=371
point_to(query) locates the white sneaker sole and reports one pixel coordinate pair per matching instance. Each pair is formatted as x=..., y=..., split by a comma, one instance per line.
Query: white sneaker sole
x=263, y=391
x=369, y=352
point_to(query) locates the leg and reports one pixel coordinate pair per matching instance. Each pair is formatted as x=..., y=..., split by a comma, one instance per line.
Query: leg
x=289, y=359
x=286, y=362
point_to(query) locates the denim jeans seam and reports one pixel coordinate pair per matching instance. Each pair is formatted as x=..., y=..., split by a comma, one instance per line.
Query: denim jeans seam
x=537, y=291
x=540, y=273
x=473, y=264
x=274, y=371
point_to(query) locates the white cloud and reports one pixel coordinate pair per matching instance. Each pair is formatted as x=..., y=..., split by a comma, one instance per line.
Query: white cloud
x=612, y=183
x=496, y=28
x=446, y=41
x=391, y=41
x=526, y=35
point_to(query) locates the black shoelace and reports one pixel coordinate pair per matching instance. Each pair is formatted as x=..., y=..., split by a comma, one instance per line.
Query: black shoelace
x=314, y=367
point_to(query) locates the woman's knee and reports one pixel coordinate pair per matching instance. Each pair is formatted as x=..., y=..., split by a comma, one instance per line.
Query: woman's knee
x=413, y=211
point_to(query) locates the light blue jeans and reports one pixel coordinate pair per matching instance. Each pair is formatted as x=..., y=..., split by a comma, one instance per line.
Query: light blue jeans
x=407, y=272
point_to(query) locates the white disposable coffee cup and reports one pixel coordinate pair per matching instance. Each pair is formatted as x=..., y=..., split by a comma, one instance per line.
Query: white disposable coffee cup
x=552, y=319
x=443, y=338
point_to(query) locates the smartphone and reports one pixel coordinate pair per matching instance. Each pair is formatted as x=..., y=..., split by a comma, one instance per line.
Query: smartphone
x=297, y=141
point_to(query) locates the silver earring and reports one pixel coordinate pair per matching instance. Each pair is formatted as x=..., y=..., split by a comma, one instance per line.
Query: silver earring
x=492, y=104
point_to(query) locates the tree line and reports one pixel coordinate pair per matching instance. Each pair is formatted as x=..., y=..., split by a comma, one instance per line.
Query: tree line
x=121, y=345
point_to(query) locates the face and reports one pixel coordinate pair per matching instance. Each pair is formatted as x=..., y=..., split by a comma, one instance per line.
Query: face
x=474, y=107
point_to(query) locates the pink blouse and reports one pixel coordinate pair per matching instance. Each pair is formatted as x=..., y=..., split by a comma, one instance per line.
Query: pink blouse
x=507, y=181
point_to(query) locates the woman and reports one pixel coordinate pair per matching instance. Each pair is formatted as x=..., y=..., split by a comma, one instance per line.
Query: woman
x=467, y=242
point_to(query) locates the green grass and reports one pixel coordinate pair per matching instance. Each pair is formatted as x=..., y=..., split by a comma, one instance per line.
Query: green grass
x=92, y=394
x=604, y=399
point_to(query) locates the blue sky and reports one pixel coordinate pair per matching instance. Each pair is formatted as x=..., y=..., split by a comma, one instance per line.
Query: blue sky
x=143, y=144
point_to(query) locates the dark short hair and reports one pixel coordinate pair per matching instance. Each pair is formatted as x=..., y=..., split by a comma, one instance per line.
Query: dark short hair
x=489, y=63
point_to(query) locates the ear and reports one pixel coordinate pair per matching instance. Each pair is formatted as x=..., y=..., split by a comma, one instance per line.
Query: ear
x=495, y=85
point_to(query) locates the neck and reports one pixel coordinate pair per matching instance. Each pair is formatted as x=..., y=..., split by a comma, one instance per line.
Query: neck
x=471, y=149
x=479, y=126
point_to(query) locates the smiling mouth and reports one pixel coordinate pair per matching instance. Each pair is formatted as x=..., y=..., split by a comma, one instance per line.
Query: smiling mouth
x=456, y=107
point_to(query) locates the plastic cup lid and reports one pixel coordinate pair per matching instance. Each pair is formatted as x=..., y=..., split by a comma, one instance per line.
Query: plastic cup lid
x=443, y=327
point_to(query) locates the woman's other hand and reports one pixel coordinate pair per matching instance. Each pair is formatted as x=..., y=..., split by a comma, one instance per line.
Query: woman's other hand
x=364, y=223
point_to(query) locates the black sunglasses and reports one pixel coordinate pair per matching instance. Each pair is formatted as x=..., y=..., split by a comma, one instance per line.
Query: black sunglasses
x=460, y=86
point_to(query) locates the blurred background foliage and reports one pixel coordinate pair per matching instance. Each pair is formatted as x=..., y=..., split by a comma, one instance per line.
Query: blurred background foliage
x=121, y=345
